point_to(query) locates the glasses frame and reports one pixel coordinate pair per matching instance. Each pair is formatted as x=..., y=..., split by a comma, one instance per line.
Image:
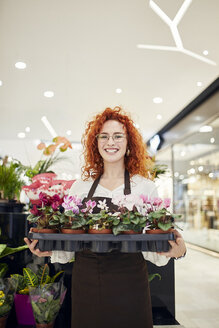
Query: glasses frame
x=111, y=136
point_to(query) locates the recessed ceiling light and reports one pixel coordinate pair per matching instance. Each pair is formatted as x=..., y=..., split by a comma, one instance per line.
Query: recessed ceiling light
x=21, y=135
x=68, y=132
x=176, y=174
x=199, y=84
x=182, y=153
x=157, y=100
x=206, y=128
x=20, y=65
x=118, y=90
x=212, y=140
x=205, y=52
x=49, y=94
x=200, y=168
x=159, y=117
x=1, y=83
x=27, y=129
x=192, y=162
x=211, y=175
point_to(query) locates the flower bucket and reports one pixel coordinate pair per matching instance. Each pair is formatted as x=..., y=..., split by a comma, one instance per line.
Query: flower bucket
x=23, y=308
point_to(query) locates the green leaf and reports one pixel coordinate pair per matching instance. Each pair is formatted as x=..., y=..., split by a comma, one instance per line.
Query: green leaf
x=20, y=279
x=42, y=274
x=164, y=226
x=135, y=221
x=53, y=279
x=30, y=277
x=151, y=276
x=3, y=269
x=5, y=251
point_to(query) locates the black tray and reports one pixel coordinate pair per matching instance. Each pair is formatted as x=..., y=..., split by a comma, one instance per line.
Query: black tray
x=103, y=243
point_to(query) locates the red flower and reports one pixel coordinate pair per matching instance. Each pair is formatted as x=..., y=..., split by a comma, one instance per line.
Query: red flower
x=35, y=211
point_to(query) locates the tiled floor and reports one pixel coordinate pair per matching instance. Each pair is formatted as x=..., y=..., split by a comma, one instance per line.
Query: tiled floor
x=197, y=290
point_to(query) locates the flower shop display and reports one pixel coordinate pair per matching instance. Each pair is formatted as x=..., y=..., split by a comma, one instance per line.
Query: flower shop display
x=7, y=290
x=26, y=281
x=46, y=302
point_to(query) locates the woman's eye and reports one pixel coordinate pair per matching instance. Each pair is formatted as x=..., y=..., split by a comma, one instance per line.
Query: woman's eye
x=103, y=137
x=118, y=136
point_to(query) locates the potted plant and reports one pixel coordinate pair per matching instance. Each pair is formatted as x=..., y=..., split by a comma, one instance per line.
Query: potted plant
x=7, y=291
x=10, y=187
x=46, y=214
x=29, y=279
x=73, y=220
x=99, y=223
x=131, y=218
x=46, y=302
x=160, y=219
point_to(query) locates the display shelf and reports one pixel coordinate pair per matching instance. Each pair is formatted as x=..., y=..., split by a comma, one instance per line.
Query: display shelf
x=103, y=243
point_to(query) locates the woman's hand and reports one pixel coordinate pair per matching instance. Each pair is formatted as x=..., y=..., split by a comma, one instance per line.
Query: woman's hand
x=178, y=247
x=32, y=244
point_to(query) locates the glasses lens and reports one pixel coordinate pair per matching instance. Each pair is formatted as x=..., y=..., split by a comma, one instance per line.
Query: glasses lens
x=118, y=137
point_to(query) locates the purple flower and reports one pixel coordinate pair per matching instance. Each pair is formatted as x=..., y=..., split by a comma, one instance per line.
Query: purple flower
x=72, y=203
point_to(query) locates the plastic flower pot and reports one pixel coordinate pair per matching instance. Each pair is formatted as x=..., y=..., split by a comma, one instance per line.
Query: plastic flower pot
x=158, y=231
x=23, y=308
x=44, y=230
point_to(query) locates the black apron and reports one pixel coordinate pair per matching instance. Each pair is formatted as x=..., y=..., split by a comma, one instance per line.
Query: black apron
x=110, y=290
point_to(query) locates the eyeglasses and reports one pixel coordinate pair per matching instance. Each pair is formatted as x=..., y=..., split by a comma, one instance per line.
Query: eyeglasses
x=117, y=137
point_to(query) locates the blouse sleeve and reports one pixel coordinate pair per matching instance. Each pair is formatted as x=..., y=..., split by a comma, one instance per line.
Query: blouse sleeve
x=62, y=256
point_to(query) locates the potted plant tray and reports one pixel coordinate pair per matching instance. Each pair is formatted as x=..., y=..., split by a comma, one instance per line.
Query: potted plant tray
x=104, y=243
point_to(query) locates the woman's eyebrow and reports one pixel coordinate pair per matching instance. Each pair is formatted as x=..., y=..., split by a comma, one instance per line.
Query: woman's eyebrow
x=113, y=132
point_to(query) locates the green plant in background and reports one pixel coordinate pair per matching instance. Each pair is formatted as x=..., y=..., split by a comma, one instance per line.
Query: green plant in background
x=42, y=166
x=32, y=279
x=151, y=276
x=7, y=290
x=5, y=250
x=10, y=181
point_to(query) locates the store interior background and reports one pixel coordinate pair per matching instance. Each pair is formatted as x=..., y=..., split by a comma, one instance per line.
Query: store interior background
x=89, y=54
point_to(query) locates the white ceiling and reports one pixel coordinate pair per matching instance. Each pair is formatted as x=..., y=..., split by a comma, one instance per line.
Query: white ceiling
x=83, y=50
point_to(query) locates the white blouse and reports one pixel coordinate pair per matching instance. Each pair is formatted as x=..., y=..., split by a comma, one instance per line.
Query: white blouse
x=139, y=185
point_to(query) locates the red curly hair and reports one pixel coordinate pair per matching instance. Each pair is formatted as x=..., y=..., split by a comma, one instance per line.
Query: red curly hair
x=138, y=161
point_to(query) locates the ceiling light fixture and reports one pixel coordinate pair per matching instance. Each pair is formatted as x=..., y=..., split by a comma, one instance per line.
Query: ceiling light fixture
x=27, y=129
x=48, y=126
x=21, y=135
x=20, y=65
x=1, y=83
x=159, y=117
x=118, y=90
x=200, y=168
x=175, y=33
x=211, y=175
x=68, y=132
x=157, y=100
x=192, y=163
x=182, y=153
x=199, y=84
x=205, y=52
x=206, y=128
x=48, y=94
x=212, y=140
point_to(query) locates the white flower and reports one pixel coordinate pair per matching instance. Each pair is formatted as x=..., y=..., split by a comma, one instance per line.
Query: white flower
x=102, y=205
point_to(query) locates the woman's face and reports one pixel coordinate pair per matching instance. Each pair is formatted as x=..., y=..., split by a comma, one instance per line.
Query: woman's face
x=112, y=141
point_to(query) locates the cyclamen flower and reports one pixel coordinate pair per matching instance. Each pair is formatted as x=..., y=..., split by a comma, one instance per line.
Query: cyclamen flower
x=167, y=202
x=35, y=211
x=157, y=201
x=72, y=203
x=102, y=205
x=45, y=199
x=89, y=206
x=128, y=201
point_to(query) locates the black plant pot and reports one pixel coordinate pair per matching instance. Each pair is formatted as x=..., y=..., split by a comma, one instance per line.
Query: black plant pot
x=11, y=206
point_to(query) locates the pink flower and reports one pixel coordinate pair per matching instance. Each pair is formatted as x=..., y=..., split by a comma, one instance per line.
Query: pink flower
x=144, y=198
x=167, y=202
x=157, y=201
x=35, y=211
x=89, y=206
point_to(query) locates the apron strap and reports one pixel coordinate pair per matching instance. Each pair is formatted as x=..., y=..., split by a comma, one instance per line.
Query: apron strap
x=127, y=189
